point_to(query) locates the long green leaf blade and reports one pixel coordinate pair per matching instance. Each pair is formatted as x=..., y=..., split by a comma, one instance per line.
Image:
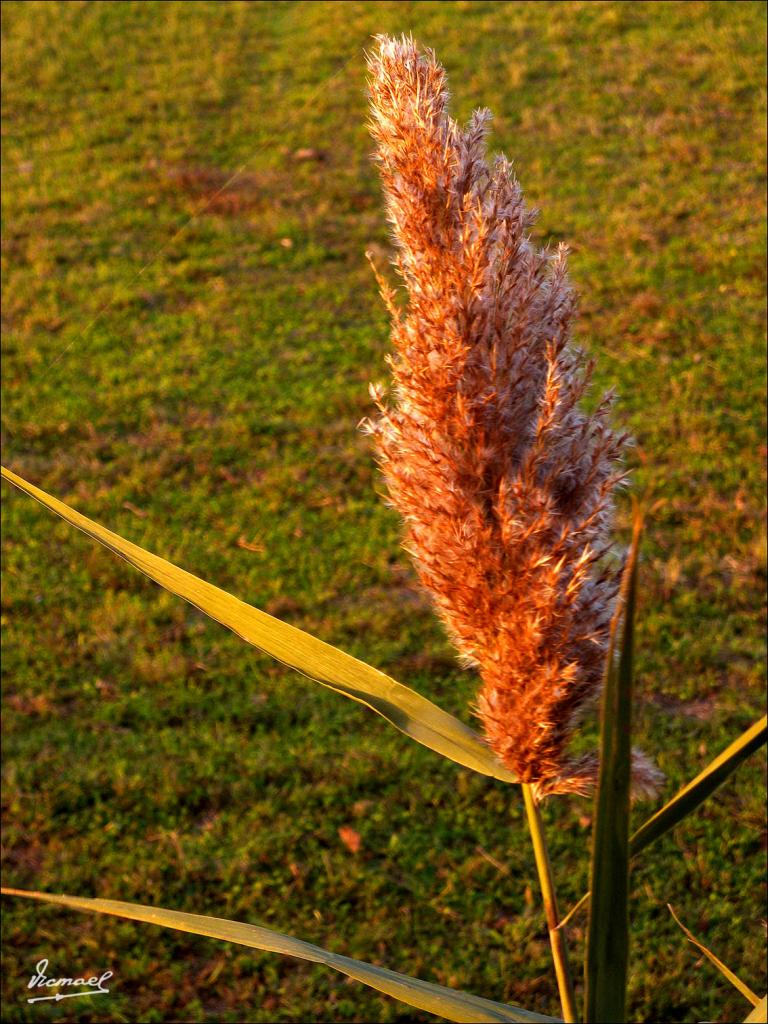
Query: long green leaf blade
x=760, y=1013
x=407, y=710
x=608, y=937
x=697, y=791
x=444, y=1002
x=734, y=979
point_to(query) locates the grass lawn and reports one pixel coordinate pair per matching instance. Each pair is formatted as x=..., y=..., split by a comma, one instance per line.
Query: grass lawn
x=187, y=363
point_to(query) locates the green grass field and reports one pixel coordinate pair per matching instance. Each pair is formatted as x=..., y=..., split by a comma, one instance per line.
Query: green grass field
x=188, y=366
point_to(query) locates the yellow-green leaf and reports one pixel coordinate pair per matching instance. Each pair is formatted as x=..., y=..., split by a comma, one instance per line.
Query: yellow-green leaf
x=698, y=789
x=734, y=979
x=444, y=1002
x=407, y=710
x=691, y=795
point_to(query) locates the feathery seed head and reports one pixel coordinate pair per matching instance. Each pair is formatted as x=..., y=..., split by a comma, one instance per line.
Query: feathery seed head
x=503, y=481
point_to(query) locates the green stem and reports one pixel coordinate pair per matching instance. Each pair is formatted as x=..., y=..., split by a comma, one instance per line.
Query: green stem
x=556, y=934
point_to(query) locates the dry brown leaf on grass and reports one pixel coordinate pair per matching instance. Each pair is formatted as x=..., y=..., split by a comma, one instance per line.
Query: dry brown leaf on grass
x=350, y=838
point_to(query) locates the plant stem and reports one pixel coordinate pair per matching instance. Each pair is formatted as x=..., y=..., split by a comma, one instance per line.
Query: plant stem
x=556, y=934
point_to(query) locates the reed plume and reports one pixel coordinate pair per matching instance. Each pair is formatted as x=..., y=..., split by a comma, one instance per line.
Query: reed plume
x=503, y=481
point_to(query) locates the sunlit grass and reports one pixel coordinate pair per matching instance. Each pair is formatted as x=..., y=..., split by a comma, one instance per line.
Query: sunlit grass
x=210, y=414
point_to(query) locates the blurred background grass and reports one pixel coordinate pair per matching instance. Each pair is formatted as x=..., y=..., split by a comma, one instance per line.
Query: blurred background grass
x=199, y=393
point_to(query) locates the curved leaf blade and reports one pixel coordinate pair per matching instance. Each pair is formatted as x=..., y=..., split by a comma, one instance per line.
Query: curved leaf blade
x=697, y=791
x=424, y=995
x=734, y=979
x=404, y=708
